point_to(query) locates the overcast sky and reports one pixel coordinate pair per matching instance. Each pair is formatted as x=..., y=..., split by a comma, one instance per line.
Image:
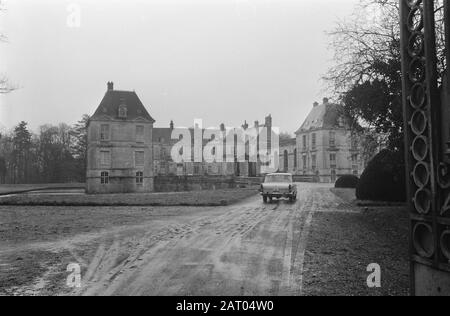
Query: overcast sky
x=218, y=60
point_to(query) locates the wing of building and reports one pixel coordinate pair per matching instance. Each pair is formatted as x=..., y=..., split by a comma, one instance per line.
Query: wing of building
x=323, y=148
x=164, y=165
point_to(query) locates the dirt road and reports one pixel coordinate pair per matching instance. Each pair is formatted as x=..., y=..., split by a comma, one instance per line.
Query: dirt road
x=246, y=249
x=321, y=245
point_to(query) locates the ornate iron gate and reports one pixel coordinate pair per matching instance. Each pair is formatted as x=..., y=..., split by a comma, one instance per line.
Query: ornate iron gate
x=427, y=128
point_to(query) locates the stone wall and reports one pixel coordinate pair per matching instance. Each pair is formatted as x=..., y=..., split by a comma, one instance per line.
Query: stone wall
x=192, y=183
x=121, y=146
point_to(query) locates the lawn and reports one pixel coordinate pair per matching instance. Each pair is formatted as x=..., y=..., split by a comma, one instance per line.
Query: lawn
x=194, y=198
x=342, y=244
x=22, y=188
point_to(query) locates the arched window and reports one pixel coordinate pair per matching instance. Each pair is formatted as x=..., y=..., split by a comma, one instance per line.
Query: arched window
x=333, y=175
x=286, y=161
x=139, y=178
x=104, y=177
x=295, y=159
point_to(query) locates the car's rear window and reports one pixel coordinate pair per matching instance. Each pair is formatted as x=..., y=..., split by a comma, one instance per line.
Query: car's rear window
x=278, y=178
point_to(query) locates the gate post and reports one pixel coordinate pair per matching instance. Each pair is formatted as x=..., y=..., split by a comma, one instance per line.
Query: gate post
x=427, y=151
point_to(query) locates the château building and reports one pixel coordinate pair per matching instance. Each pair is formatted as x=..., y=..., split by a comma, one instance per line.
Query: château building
x=125, y=152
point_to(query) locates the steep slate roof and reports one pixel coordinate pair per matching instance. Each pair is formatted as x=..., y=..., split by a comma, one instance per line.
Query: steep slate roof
x=109, y=106
x=288, y=142
x=324, y=116
x=162, y=133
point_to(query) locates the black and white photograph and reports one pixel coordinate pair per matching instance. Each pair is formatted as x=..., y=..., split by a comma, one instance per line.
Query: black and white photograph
x=226, y=155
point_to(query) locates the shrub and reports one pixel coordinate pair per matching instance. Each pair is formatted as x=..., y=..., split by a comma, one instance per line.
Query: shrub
x=384, y=178
x=347, y=181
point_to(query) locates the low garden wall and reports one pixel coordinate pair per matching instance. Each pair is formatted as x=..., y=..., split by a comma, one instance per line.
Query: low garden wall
x=193, y=183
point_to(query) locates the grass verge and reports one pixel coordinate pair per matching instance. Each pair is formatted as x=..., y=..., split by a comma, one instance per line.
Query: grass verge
x=194, y=198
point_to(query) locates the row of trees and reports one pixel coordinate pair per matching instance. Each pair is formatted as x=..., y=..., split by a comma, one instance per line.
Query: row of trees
x=56, y=154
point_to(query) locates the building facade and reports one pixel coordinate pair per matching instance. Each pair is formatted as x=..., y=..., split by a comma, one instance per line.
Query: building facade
x=120, y=149
x=165, y=166
x=324, y=148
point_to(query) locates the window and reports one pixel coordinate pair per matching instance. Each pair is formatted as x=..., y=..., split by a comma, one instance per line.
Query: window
x=332, y=139
x=295, y=159
x=286, y=161
x=314, y=162
x=105, y=158
x=278, y=178
x=333, y=161
x=104, y=132
x=196, y=168
x=123, y=111
x=354, y=143
x=333, y=175
x=305, y=166
x=140, y=134
x=139, y=158
x=355, y=164
x=139, y=178
x=104, y=177
x=314, y=141
x=304, y=142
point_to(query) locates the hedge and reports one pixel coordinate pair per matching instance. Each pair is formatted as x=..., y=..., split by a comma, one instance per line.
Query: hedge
x=384, y=178
x=348, y=181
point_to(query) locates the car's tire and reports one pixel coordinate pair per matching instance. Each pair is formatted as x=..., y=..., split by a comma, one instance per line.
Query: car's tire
x=293, y=198
x=265, y=199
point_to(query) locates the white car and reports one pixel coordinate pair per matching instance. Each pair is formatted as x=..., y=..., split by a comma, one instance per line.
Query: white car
x=277, y=186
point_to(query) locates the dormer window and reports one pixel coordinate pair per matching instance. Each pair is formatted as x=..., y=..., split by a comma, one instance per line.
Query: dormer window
x=123, y=111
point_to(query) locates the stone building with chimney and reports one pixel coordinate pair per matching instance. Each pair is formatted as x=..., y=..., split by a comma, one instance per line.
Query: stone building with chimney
x=120, y=149
x=324, y=148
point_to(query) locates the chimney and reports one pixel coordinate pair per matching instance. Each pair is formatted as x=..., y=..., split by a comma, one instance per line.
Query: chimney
x=245, y=126
x=222, y=127
x=110, y=85
x=171, y=125
x=325, y=100
x=315, y=104
x=256, y=124
x=269, y=121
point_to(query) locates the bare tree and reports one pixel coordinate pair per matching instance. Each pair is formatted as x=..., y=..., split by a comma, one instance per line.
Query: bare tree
x=368, y=36
x=366, y=75
x=371, y=35
x=5, y=85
